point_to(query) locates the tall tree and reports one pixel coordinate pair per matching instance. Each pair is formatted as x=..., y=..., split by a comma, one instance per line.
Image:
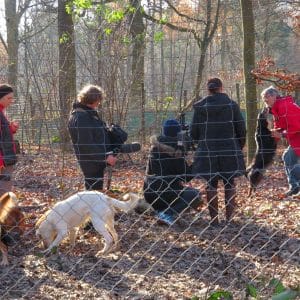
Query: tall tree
x=137, y=30
x=249, y=64
x=67, y=67
x=13, y=16
x=202, y=29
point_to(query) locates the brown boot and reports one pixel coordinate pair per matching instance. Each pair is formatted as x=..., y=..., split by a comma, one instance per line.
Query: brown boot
x=212, y=201
x=230, y=202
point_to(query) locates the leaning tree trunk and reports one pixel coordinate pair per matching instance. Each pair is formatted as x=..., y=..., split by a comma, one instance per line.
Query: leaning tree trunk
x=201, y=64
x=249, y=64
x=67, y=69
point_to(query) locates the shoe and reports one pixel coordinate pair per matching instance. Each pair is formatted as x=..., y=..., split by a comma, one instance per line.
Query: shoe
x=165, y=218
x=292, y=191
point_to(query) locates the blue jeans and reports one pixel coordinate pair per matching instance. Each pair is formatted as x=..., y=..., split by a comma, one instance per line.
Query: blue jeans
x=188, y=198
x=292, y=167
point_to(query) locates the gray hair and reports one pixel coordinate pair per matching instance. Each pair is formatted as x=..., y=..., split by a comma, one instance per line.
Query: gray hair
x=270, y=91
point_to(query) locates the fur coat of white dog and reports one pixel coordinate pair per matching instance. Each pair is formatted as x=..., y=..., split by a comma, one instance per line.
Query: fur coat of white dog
x=66, y=217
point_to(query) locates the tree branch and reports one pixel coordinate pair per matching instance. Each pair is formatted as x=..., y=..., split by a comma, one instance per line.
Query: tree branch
x=216, y=21
x=36, y=32
x=183, y=15
x=170, y=25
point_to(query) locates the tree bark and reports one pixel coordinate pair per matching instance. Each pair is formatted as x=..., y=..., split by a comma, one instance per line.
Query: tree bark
x=12, y=24
x=67, y=69
x=249, y=64
x=137, y=30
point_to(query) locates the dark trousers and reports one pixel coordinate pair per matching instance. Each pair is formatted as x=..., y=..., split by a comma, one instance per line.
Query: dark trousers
x=188, y=198
x=6, y=180
x=212, y=198
x=94, y=180
x=173, y=201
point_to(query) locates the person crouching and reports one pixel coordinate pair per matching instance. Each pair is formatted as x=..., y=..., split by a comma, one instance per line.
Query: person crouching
x=166, y=172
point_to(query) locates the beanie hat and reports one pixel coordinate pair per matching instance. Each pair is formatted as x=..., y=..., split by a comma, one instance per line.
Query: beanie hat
x=171, y=128
x=5, y=89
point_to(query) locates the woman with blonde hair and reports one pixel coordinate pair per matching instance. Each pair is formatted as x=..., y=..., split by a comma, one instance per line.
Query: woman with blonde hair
x=90, y=137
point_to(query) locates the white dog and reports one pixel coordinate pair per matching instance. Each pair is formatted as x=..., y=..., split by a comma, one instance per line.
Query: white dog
x=66, y=217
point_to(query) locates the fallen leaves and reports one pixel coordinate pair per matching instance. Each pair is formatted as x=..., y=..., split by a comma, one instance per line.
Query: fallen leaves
x=162, y=262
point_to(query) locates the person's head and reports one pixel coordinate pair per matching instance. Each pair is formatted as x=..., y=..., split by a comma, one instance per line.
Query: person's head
x=171, y=128
x=91, y=95
x=269, y=96
x=6, y=95
x=214, y=85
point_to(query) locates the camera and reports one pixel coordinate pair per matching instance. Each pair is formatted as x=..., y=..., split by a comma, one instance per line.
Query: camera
x=184, y=139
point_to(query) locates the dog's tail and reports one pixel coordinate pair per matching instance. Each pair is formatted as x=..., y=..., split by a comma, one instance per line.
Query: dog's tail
x=7, y=202
x=131, y=201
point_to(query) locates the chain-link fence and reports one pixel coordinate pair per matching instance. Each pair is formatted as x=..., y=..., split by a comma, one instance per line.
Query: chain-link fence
x=152, y=260
x=152, y=63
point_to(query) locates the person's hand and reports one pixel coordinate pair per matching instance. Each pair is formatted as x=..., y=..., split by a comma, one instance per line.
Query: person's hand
x=276, y=134
x=14, y=125
x=111, y=160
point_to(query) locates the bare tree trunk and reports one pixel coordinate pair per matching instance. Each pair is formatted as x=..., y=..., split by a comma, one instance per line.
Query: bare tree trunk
x=137, y=30
x=204, y=42
x=201, y=64
x=99, y=53
x=224, y=40
x=12, y=24
x=153, y=88
x=67, y=68
x=249, y=64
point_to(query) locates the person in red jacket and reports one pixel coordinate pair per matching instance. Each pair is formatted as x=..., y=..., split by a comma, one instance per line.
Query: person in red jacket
x=8, y=156
x=286, y=125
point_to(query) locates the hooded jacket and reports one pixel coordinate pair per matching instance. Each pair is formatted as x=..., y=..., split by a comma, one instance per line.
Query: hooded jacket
x=89, y=137
x=7, y=145
x=219, y=129
x=166, y=171
x=287, y=118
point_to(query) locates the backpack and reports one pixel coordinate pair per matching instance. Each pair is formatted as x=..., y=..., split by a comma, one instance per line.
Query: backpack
x=117, y=136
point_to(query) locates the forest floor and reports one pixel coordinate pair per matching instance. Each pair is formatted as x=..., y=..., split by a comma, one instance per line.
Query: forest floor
x=153, y=261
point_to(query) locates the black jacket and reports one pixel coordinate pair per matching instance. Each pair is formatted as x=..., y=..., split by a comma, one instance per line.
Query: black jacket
x=219, y=129
x=166, y=171
x=7, y=145
x=89, y=137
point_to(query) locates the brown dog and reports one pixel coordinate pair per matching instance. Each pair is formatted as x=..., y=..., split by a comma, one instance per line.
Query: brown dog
x=11, y=219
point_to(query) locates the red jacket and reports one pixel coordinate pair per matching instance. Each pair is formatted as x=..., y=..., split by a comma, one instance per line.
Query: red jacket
x=287, y=118
x=12, y=131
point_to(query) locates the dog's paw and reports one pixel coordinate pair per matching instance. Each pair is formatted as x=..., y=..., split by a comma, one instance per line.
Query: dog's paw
x=53, y=250
x=105, y=251
x=4, y=262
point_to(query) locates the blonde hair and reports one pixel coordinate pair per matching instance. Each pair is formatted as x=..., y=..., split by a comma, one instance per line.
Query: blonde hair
x=90, y=94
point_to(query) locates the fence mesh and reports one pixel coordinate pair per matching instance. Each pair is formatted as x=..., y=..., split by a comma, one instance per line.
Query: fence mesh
x=256, y=254
x=152, y=260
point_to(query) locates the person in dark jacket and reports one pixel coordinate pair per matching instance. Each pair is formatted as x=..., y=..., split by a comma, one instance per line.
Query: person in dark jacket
x=90, y=137
x=219, y=129
x=8, y=157
x=166, y=172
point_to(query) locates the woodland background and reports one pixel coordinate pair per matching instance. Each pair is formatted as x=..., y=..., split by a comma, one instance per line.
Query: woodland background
x=152, y=58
